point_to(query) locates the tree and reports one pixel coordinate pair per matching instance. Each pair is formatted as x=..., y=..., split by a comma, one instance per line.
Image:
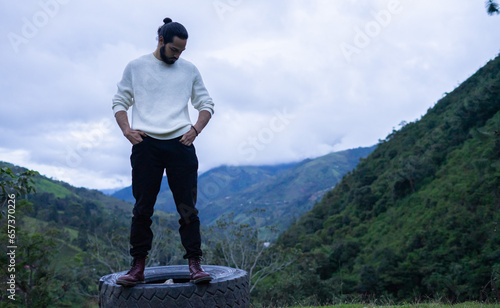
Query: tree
x=37, y=282
x=245, y=247
x=12, y=184
x=110, y=250
x=492, y=7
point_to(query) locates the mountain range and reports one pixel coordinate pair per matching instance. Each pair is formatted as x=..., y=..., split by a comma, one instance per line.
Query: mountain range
x=283, y=191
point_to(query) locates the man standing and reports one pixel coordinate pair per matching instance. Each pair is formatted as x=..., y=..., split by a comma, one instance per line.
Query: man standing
x=158, y=87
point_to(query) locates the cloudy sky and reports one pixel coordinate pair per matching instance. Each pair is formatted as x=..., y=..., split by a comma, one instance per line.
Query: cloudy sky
x=290, y=79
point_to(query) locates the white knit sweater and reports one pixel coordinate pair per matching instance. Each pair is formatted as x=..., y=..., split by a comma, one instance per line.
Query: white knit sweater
x=159, y=94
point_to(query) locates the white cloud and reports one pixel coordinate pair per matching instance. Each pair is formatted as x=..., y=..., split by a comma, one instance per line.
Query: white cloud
x=256, y=57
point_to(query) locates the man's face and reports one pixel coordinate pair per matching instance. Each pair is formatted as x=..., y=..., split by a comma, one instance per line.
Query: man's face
x=171, y=52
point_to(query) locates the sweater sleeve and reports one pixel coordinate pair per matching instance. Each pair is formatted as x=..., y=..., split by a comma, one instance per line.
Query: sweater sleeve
x=200, y=99
x=124, y=97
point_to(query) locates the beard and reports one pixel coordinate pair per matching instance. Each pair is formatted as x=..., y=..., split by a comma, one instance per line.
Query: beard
x=165, y=58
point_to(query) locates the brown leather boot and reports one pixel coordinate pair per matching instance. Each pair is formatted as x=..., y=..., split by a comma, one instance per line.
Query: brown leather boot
x=135, y=275
x=198, y=275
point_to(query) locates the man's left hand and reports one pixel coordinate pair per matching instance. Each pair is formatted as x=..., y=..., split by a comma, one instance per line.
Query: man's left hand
x=188, y=138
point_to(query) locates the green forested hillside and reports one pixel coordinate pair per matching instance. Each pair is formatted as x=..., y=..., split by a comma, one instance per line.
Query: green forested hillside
x=79, y=208
x=65, y=239
x=418, y=219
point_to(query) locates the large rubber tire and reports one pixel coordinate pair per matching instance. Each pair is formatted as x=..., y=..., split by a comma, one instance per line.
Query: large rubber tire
x=228, y=288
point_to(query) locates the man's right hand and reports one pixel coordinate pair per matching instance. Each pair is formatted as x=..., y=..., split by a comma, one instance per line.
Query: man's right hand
x=134, y=136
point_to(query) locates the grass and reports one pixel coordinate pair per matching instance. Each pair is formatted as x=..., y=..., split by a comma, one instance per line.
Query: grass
x=428, y=305
x=45, y=185
x=65, y=252
x=34, y=225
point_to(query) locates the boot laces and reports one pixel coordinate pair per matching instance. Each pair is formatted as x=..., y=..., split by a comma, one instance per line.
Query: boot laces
x=196, y=262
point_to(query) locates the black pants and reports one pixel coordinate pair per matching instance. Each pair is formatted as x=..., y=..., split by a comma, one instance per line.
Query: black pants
x=150, y=158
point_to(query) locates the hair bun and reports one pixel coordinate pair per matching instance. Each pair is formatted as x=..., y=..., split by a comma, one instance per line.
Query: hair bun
x=167, y=20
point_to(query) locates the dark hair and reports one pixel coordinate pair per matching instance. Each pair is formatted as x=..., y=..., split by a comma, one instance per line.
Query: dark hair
x=171, y=29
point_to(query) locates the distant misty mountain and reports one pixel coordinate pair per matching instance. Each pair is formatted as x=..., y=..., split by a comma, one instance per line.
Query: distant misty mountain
x=109, y=192
x=284, y=191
